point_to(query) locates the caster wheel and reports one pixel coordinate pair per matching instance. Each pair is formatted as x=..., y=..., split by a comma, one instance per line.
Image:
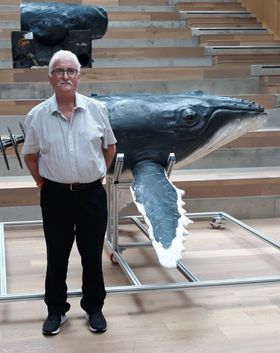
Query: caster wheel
x=216, y=222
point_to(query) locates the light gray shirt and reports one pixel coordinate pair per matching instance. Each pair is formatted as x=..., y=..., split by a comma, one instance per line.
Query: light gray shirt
x=69, y=151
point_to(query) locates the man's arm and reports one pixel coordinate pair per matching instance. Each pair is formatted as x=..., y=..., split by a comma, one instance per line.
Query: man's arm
x=31, y=161
x=109, y=154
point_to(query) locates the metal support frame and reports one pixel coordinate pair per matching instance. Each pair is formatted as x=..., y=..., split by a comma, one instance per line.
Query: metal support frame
x=3, y=274
x=114, y=186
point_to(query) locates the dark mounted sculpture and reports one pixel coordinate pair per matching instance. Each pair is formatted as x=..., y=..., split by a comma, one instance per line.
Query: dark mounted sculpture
x=49, y=27
x=51, y=22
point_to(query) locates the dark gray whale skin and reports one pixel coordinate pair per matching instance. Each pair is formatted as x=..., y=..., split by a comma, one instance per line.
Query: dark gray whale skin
x=148, y=127
x=50, y=22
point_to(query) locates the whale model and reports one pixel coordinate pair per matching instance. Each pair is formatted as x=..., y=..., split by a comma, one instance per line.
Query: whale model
x=50, y=22
x=148, y=128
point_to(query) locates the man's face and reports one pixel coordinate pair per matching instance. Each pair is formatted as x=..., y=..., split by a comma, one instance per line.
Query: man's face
x=65, y=78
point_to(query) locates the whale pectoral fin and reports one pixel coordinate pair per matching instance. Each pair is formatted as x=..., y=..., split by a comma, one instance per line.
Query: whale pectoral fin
x=160, y=202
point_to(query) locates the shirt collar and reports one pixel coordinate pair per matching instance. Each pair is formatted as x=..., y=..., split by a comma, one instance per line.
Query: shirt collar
x=80, y=103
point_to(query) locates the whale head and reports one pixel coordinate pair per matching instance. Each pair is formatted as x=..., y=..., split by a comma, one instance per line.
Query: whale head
x=190, y=125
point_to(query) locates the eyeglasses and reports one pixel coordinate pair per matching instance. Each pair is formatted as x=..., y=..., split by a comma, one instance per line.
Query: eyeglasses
x=59, y=73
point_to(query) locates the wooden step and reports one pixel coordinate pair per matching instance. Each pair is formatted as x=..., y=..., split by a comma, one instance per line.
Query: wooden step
x=220, y=86
x=144, y=43
x=146, y=24
x=245, y=41
x=9, y=16
x=18, y=107
x=147, y=52
x=241, y=49
x=9, y=12
x=265, y=70
x=4, y=44
x=103, y=3
x=223, y=70
x=261, y=37
x=143, y=16
x=110, y=3
x=11, y=25
x=270, y=84
x=5, y=34
x=135, y=62
x=6, y=64
x=205, y=184
x=5, y=54
x=23, y=186
x=147, y=33
x=145, y=9
x=200, y=31
x=126, y=74
x=258, y=138
x=223, y=21
x=142, y=2
x=241, y=43
x=68, y=1
x=247, y=58
x=156, y=62
x=230, y=182
x=208, y=6
x=219, y=14
x=10, y=2
x=244, y=157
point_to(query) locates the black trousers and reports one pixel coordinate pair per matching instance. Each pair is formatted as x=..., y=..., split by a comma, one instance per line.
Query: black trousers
x=69, y=215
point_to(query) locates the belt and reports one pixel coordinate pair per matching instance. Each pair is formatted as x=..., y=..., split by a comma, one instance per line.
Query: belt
x=71, y=187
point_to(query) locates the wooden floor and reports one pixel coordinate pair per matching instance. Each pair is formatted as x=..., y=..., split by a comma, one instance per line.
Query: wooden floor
x=221, y=320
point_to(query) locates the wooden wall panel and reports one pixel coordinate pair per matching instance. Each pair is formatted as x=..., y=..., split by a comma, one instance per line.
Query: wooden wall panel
x=267, y=12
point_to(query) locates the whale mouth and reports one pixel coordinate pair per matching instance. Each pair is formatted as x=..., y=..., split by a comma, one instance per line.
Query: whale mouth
x=224, y=135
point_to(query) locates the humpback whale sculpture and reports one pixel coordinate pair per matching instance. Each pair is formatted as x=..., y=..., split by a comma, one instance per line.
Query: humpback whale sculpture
x=50, y=22
x=148, y=128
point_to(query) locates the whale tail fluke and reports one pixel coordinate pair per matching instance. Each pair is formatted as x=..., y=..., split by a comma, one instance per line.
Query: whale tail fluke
x=161, y=205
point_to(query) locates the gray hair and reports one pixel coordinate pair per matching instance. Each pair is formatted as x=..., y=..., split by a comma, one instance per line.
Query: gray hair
x=62, y=54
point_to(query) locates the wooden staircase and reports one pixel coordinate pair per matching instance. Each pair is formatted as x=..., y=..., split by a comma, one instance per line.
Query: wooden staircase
x=171, y=46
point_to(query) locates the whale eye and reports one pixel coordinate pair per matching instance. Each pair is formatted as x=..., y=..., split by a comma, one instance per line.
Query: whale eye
x=189, y=117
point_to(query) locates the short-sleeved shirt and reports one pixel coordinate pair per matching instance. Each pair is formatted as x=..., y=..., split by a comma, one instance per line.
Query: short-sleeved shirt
x=69, y=151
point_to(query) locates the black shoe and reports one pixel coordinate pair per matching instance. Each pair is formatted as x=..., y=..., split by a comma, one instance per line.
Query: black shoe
x=51, y=325
x=97, y=322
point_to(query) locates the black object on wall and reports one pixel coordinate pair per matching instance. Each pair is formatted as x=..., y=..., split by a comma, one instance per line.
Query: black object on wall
x=49, y=27
x=28, y=51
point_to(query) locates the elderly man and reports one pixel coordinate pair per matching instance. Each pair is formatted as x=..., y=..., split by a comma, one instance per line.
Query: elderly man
x=69, y=145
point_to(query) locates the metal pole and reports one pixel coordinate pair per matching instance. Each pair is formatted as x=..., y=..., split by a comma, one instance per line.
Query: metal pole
x=118, y=167
x=252, y=230
x=170, y=163
x=115, y=204
x=132, y=289
x=3, y=272
x=140, y=225
x=126, y=269
x=188, y=274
